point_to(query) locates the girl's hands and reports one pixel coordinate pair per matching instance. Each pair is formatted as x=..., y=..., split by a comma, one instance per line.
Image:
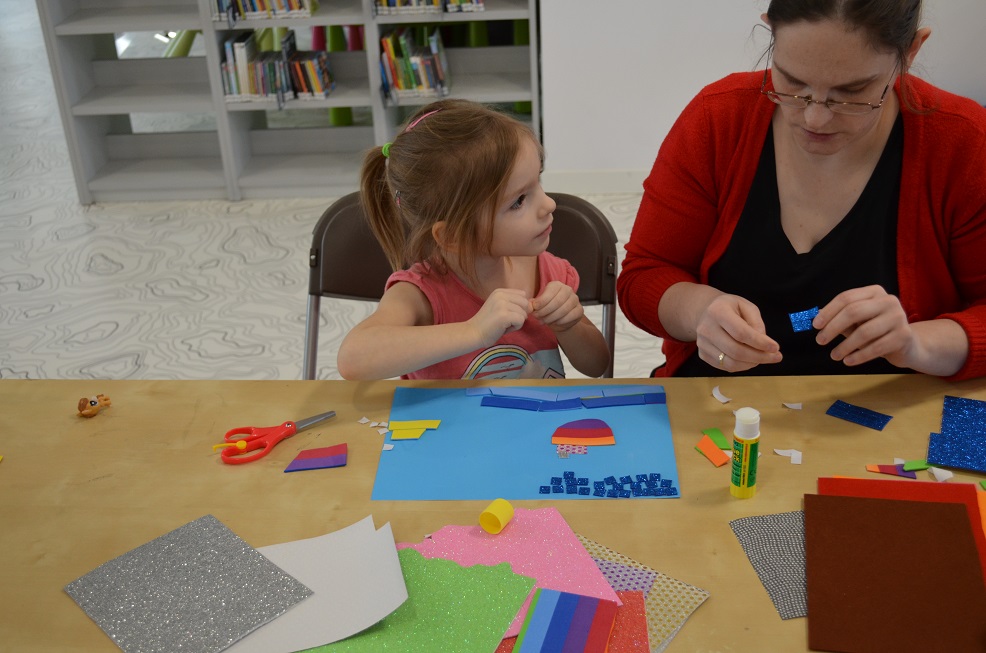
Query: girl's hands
x=731, y=335
x=505, y=310
x=558, y=307
x=874, y=325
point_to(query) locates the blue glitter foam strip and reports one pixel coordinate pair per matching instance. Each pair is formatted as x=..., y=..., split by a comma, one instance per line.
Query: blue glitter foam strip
x=562, y=404
x=801, y=321
x=858, y=415
x=510, y=402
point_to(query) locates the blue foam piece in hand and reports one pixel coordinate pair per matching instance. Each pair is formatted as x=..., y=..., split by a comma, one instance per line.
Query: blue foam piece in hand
x=801, y=321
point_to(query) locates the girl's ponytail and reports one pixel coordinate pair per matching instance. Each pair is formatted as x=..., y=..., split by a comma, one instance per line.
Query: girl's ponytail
x=381, y=209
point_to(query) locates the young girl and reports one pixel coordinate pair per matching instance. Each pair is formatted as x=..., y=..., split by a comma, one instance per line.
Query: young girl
x=457, y=197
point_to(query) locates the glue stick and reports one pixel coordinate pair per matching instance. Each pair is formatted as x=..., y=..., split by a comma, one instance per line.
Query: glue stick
x=746, y=445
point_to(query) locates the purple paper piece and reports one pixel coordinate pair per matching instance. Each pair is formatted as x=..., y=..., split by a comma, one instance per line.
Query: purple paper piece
x=302, y=464
x=903, y=472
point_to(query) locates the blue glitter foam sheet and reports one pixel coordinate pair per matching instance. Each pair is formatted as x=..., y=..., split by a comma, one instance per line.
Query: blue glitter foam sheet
x=858, y=415
x=962, y=441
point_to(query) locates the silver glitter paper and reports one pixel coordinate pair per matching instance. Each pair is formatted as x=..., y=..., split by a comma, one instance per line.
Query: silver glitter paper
x=198, y=588
x=775, y=545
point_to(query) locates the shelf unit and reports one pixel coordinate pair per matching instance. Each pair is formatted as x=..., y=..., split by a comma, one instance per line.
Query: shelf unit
x=242, y=157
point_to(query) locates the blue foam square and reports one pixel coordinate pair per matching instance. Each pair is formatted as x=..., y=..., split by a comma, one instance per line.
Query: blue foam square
x=625, y=479
x=544, y=489
x=599, y=485
x=666, y=482
x=654, y=476
x=557, y=489
x=612, y=494
x=556, y=480
x=599, y=493
x=625, y=494
x=801, y=321
x=611, y=480
x=583, y=481
x=641, y=478
x=571, y=488
x=583, y=490
x=568, y=476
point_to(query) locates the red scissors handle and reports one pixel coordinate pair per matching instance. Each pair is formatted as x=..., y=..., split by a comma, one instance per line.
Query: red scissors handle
x=259, y=440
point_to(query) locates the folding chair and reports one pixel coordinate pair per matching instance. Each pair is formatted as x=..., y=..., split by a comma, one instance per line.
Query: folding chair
x=346, y=262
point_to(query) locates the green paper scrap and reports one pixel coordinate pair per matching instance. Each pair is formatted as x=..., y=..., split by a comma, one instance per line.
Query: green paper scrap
x=718, y=438
x=448, y=608
x=915, y=465
x=983, y=484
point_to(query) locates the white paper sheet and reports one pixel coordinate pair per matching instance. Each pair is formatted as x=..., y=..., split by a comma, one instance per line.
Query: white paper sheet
x=357, y=579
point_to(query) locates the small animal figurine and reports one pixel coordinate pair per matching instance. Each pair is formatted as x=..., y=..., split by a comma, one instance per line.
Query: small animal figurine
x=90, y=407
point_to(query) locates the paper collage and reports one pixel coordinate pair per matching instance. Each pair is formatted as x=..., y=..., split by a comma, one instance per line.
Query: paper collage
x=524, y=544
x=485, y=452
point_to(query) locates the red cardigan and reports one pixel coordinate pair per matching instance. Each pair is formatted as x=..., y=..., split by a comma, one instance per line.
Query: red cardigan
x=698, y=187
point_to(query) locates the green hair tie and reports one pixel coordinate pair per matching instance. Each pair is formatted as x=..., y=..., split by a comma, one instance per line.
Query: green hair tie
x=385, y=150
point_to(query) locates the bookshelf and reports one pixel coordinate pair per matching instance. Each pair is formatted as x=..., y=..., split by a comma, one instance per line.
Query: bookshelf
x=244, y=150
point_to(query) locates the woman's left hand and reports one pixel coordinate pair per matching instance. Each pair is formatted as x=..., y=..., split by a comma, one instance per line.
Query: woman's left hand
x=874, y=325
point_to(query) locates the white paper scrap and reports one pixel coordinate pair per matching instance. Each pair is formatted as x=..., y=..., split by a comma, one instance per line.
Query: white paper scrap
x=723, y=399
x=357, y=579
x=793, y=454
x=388, y=447
x=363, y=420
x=383, y=431
x=941, y=475
x=792, y=406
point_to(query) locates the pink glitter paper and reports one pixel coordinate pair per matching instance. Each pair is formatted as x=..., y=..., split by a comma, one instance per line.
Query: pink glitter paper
x=537, y=543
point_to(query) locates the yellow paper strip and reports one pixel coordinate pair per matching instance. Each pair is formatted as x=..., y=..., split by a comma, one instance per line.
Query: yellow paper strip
x=407, y=434
x=415, y=424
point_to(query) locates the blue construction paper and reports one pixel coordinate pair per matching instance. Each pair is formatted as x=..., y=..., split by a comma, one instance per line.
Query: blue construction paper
x=479, y=391
x=482, y=452
x=524, y=393
x=858, y=415
x=612, y=400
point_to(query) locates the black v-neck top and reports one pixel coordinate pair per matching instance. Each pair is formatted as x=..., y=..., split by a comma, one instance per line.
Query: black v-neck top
x=761, y=265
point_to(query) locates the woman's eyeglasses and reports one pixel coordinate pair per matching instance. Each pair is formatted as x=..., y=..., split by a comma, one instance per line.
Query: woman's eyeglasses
x=802, y=101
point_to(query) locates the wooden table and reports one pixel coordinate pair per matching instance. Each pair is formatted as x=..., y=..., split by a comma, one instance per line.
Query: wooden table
x=75, y=492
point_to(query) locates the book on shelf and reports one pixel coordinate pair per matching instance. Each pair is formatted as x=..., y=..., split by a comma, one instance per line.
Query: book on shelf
x=397, y=7
x=412, y=70
x=233, y=10
x=250, y=73
x=455, y=6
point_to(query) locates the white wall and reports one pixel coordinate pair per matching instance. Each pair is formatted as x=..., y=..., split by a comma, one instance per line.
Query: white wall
x=615, y=74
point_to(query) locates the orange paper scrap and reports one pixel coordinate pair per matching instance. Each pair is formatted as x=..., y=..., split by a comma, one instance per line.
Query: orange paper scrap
x=715, y=455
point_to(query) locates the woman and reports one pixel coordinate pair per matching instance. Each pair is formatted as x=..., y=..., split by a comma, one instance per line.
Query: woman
x=833, y=182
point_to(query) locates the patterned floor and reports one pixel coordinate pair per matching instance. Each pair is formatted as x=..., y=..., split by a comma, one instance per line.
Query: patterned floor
x=162, y=290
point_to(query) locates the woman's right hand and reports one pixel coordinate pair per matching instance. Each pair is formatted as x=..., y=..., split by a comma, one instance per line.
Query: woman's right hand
x=505, y=310
x=731, y=335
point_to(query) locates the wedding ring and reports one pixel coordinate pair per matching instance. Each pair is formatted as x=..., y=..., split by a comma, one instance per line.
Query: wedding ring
x=721, y=356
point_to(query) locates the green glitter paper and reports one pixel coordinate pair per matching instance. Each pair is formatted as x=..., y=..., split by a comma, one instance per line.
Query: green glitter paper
x=448, y=608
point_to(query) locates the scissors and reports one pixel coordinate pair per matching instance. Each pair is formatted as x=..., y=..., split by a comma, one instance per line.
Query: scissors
x=261, y=440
